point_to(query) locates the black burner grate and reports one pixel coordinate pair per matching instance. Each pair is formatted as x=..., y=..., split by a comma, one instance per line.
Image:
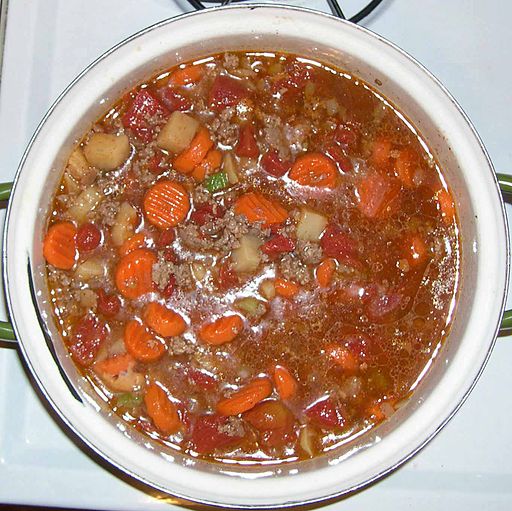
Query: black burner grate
x=333, y=5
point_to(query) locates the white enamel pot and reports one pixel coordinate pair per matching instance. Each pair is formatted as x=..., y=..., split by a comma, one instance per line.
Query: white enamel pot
x=429, y=108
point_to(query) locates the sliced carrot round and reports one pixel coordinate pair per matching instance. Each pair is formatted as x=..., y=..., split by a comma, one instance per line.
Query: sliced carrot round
x=133, y=243
x=59, y=246
x=164, y=321
x=325, y=272
x=257, y=208
x=141, y=344
x=286, y=384
x=166, y=204
x=314, y=169
x=186, y=75
x=286, y=288
x=446, y=206
x=195, y=153
x=134, y=273
x=245, y=398
x=222, y=330
x=161, y=409
x=115, y=365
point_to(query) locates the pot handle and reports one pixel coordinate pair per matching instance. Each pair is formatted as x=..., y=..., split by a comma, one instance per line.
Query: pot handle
x=505, y=183
x=6, y=329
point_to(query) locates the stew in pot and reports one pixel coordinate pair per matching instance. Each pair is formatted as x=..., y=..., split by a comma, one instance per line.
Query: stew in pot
x=253, y=257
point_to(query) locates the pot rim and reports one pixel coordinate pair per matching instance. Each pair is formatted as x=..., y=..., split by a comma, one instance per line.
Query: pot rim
x=168, y=21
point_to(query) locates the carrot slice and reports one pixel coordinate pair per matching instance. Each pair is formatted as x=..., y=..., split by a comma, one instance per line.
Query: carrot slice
x=446, y=205
x=161, y=409
x=141, y=344
x=286, y=384
x=164, y=321
x=257, y=208
x=325, y=272
x=342, y=357
x=134, y=273
x=314, y=169
x=405, y=165
x=246, y=398
x=133, y=243
x=188, y=159
x=222, y=330
x=381, y=152
x=59, y=246
x=186, y=75
x=286, y=288
x=166, y=204
x=115, y=364
x=211, y=163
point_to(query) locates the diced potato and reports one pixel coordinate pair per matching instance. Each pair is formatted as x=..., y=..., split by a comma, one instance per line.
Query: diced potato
x=88, y=298
x=251, y=306
x=71, y=185
x=107, y=151
x=79, y=168
x=124, y=225
x=177, y=133
x=90, y=269
x=268, y=289
x=84, y=203
x=229, y=167
x=198, y=270
x=246, y=257
x=124, y=382
x=311, y=225
x=307, y=440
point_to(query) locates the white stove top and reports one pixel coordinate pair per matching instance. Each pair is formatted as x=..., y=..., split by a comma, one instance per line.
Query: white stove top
x=465, y=43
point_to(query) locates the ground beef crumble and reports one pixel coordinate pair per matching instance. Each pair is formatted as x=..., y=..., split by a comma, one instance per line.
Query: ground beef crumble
x=232, y=427
x=292, y=268
x=309, y=252
x=162, y=271
x=180, y=346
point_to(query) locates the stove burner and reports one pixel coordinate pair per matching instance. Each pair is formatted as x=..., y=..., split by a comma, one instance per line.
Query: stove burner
x=333, y=5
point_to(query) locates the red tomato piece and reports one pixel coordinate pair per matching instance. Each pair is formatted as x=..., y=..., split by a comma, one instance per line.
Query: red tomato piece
x=157, y=164
x=226, y=91
x=108, y=305
x=170, y=287
x=174, y=99
x=416, y=251
x=337, y=244
x=346, y=137
x=278, y=244
x=201, y=379
x=207, y=434
x=381, y=153
x=273, y=165
x=276, y=438
x=381, y=307
x=206, y=212
x=166, y=238
x=298, y=75
x=137, y=118
x=336, y=153
x=378, y=196
x=170, y=255
x=405, y=165
x=227, y=277
x=88, y=237
x=86, y=339
x=247, y=146
x=325, y=413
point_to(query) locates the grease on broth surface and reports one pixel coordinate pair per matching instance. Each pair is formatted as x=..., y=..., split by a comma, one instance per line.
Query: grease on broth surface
x=253, y=257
